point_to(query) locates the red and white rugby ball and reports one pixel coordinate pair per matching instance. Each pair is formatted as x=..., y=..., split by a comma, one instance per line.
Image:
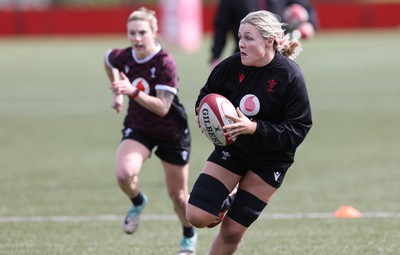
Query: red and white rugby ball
x=212, y=110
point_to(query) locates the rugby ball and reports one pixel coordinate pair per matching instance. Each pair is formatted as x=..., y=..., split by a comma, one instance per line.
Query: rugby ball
x=211, y=112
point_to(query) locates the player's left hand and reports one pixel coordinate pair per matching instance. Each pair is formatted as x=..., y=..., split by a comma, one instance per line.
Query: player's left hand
x=118, y=102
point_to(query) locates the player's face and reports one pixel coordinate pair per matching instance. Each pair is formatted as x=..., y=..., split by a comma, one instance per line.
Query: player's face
x=141, y=37
x=253, y=47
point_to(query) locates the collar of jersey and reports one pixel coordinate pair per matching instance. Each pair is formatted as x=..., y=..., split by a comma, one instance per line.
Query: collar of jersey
x=144, y=60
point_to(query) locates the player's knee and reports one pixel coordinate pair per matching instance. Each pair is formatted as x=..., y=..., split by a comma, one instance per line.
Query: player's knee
x=178, y=197
x=205, y=200
x=245, y=208
x=124, y=178
x=232, y=235
x=198, y=217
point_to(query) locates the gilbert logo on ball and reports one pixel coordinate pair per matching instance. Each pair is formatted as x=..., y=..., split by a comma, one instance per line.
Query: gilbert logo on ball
x=212, y=118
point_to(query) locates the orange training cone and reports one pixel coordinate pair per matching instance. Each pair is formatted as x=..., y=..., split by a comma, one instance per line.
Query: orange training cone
x=347, y=212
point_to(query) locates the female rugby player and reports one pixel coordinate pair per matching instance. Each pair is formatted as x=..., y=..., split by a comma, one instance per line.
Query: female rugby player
x=274, y=117
x=155, y=120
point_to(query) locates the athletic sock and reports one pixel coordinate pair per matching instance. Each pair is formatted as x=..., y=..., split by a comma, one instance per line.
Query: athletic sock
x=138, y=200
x=188, y=231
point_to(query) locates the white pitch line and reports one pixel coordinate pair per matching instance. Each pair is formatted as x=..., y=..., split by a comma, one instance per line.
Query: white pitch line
x=166, y=217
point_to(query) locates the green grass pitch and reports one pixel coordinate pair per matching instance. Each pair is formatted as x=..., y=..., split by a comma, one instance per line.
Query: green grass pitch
x=58, y=137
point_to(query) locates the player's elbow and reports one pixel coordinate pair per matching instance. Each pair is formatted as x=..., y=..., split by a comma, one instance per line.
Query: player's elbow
x=163, y=109
x=162, y=112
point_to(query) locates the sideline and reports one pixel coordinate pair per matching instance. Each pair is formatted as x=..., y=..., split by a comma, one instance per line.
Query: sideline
x=165, y=217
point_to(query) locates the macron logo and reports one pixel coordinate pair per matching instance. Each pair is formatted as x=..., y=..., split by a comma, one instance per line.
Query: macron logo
x=276, y=175
x=127, y=132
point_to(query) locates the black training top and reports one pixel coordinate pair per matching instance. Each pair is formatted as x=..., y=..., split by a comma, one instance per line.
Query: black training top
x=275, y=96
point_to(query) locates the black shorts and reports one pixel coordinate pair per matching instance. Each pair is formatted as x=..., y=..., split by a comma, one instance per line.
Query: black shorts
x=273, y=175
x=173, y=152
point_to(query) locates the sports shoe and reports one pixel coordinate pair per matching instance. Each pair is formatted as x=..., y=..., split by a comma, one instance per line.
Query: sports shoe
x=224, y=208
x=188, y=245
x=131, y=222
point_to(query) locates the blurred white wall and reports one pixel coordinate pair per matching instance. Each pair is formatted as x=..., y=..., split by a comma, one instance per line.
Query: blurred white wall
x=24, y=4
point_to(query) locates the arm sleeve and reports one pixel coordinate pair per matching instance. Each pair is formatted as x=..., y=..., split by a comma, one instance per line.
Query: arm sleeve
x=107, y=58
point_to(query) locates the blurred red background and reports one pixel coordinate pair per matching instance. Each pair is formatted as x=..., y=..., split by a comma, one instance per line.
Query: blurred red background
x=82, y=20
